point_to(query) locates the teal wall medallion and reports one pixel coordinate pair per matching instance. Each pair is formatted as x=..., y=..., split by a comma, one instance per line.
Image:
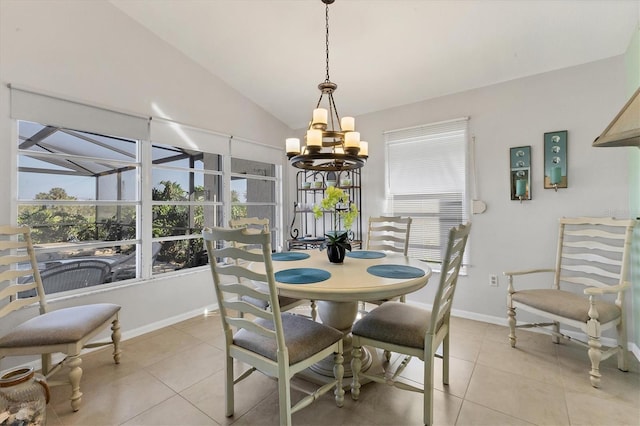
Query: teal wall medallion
x=555, y=160
x=520, y=175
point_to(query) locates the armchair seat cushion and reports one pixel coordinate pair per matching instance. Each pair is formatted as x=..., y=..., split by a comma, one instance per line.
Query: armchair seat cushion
x=302, y=336
x=566, y=304
x=396, y=323
x=63, y=326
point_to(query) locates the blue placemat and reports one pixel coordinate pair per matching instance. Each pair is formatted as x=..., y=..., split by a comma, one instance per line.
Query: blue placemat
x=289, y=255
x=395, y=271
x=302, y=275
x=366, y=254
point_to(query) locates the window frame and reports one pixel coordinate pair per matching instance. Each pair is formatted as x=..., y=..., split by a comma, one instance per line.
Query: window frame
x=144, y=169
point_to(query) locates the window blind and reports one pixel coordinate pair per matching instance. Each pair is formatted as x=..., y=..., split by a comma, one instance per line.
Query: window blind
x=172, y=133
x=55, y=111
x=426, y=176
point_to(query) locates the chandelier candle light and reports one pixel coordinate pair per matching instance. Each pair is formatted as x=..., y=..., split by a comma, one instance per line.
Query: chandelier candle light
x=332, y=144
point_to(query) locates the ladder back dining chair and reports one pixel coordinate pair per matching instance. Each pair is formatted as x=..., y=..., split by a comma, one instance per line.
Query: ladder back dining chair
x=66, y=330
x=413, y=331
x=279, y=345
x=388, y=233
x=584, y=290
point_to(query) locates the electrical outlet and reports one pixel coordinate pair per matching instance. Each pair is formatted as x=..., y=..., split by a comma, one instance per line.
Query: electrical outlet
x=493, y=280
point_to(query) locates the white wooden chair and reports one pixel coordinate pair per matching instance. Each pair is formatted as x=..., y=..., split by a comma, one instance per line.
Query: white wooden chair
x=66, y=330
x=388, y=233
x=277, y=344
x=286, y=303
x=413, y=331
x=593, y=258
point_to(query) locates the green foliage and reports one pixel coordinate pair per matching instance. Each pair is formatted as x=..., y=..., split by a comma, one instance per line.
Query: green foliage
x=51, y=224
x=337, y=202
x=175, y=220
x=237, y=211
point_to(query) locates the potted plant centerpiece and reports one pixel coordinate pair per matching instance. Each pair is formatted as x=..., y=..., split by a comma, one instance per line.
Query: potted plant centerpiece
x=342, y=211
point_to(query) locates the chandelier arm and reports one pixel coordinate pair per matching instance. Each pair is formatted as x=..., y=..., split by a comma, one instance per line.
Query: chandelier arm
x=335, y=109
x=319, y=100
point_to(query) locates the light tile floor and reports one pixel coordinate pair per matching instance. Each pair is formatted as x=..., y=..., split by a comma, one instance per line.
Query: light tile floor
x=174, y=376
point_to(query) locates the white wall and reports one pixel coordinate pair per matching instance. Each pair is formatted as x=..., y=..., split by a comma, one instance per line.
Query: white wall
x=511, y=235
x=91, y=51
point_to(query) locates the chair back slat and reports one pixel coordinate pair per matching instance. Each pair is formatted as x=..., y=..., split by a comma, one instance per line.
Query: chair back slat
x=590, y=270
x=248, y=308
x=592, y=252
x=239, y=254
x=452, y=262
x=229, y=286
x=590, y=257
x=244, y=290
x=242, y=272
x=389, y=233
x=8, y=260
x=594, y=245
x=251, y=326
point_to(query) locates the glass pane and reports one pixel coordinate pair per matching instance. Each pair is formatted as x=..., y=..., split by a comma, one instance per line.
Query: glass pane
x=78, y=223
x=39, y=138
x=179, y=157
x=250, y=167
x=180, y=254
x=184, y=220
x=175, y=185
x=253, y=190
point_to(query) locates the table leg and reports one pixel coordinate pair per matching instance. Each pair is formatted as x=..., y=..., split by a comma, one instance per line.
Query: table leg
x=341, y=316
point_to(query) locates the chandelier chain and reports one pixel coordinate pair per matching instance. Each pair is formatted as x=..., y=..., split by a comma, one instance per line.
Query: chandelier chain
x=327, y=37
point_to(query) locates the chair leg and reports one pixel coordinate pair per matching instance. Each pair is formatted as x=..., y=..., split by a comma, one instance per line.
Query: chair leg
x=338, y=373
x=46, y=364
x=115, y=338
x=445, y=360
x=73, y=363
x=511, y=319
x=284, y=396
x=595, y=351
x=555, y=338
x=314, y=310
x=428, y=384
x=228, y=394
x=356, y=365
x=622, y=345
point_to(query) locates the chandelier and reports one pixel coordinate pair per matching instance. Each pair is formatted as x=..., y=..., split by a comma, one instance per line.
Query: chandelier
x=332, y=144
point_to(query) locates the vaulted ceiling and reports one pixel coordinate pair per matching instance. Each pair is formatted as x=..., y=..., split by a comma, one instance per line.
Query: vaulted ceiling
x=383, y=53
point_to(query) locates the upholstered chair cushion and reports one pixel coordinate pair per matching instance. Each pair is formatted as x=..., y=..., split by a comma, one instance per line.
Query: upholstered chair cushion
x=395, y=322
x=566, y=304
x=66, y=325
x=303, y=338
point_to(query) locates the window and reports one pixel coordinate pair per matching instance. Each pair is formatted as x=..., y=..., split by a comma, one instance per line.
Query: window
x=136, y=202
x=427, y=180
x=186, y=197
x=253, y=193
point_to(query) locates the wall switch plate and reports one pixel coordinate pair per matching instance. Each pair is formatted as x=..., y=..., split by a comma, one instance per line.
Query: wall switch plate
x=493, y=280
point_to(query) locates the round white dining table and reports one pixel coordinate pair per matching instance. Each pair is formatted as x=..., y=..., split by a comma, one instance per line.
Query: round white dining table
x=349, y=283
